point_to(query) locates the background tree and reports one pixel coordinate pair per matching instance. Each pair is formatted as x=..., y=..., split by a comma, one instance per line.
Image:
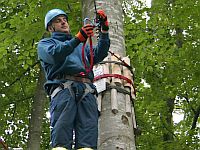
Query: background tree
x=21, y=27
x=164, y=50
x=37, y=114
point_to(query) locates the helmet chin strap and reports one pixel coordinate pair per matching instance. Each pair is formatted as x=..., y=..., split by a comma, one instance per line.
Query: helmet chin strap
x=54, y=28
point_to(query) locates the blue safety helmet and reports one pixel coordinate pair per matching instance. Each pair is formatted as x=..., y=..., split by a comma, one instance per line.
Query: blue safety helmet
x=52, y=14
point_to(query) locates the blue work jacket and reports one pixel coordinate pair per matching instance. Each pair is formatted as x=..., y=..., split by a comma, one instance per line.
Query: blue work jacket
x=61, y=54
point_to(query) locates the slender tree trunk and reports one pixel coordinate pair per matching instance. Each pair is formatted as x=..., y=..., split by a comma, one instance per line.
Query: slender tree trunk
x=195, y=118
x=168, y=135
x=115, y=129
x=35, y=124
x=167, y=118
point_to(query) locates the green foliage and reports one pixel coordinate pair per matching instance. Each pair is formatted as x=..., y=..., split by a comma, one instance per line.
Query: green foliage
x=163, y=43
x=21, y=27
x=164, y=57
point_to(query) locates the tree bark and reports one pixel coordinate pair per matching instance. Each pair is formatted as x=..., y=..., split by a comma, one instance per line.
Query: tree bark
x=168, y=135
x=115, y=129
x=35, y=124
x=195, y=118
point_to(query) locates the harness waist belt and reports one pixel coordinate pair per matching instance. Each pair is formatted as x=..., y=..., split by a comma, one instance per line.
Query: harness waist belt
x=68, y=85
x=59, y=88
x=76, y=78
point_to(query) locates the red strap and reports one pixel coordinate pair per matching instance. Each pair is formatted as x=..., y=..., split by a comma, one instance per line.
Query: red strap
x=113, y=75
x=91, y=55
x=88, y=69
x=83, y=54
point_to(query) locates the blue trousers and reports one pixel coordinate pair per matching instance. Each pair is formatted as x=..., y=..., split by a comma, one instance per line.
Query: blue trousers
x=72, y=113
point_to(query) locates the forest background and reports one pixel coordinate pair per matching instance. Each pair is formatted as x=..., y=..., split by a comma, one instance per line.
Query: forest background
x=163, y=43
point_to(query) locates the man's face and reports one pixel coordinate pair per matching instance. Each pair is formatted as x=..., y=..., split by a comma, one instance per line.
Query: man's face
x=59, y=24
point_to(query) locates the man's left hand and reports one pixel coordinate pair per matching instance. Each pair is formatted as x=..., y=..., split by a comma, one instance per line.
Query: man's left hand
x=103, y=20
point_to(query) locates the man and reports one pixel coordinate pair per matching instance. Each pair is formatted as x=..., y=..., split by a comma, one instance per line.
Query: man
x=73, y=105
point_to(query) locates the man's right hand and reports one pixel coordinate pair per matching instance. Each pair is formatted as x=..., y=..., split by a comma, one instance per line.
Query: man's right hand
x=85, y=32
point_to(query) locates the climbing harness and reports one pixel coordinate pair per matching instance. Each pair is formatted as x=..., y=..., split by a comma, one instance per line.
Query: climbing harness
x=88, y=90
x=61, y=87
x=68, y=85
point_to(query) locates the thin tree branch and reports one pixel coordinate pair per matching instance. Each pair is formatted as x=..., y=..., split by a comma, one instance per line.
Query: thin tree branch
x=3, y=144
x=195, y=118
x=27, y=70
x=165, y=126
x=22, y=87
x=187, y=100
x=21, y=100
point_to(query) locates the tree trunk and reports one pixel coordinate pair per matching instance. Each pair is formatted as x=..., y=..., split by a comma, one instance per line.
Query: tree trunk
x=168, y=132
x=35, y=124
x=115, y=128
x=168, y=135
x=195, y=118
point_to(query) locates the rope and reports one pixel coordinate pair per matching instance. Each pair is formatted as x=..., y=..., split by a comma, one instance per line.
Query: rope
x=87, y=68
x=113, y=75
x=125, y=64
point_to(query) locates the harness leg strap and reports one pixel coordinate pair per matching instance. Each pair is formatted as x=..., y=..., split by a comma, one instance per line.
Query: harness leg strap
x=61, y=87
x=88, y=89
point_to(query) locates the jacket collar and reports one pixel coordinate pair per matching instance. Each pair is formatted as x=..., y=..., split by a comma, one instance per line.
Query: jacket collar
x=61, y=36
